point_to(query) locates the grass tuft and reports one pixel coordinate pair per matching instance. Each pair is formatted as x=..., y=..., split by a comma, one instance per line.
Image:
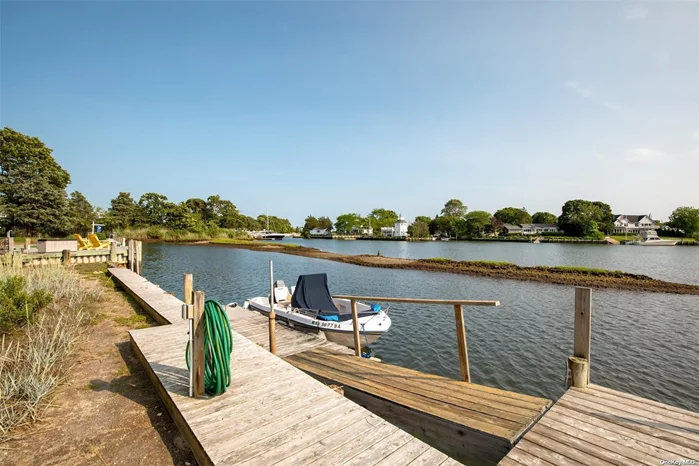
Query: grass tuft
x=34, y=356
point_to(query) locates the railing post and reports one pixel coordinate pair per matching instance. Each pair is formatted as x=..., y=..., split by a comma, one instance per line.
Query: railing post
x=188, y=288
x=271, y=315
x=355, y=327
x=65, y=259
x=583, y=322
x=198, y=343
x=139, y=256
x=10, y=244
x=113, y=252
x=130, y=256
x=579, y=372
x=461, y=339
x=27, y=243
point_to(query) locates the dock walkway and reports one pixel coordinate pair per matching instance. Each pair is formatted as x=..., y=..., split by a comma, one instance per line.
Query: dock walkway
x=272, y=413
x=601, y=426
x=462, y=418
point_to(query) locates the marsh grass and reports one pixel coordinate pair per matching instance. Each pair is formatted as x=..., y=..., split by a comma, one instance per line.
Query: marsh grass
x=34, y=358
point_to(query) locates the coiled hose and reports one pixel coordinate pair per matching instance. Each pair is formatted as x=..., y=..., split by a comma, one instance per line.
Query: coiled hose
x=218, y=345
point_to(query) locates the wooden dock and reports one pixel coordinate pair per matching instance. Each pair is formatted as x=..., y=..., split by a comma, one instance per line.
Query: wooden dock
x=272, y=413
x=600, y=426
x=461, y=418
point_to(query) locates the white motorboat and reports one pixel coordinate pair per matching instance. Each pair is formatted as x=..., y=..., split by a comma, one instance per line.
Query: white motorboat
x=309, y=306
x=651, y=238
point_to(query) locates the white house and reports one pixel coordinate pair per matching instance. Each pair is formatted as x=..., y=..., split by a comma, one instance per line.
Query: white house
x=364, y=231
x=633, y=223
x=401, y=228
x=531, y=228
x=319, y=232
x=387, y=231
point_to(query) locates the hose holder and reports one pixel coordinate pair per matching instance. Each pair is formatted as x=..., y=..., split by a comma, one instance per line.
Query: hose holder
x=188, y=315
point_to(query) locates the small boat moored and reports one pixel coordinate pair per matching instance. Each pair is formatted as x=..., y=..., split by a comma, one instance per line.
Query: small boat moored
x=651, y=238
x=309, y=306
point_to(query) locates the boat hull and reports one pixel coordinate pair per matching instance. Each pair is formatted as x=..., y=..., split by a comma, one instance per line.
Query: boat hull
x=341, y=334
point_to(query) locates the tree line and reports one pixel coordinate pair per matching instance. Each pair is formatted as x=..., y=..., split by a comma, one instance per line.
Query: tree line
x=33, y=200
x=578, y=217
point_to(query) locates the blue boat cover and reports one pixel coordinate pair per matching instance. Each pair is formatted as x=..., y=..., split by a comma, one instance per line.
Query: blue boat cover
x=312, y=293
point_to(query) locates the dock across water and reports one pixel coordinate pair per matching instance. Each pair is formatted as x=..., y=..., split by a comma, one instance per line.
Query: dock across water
x=274, y=413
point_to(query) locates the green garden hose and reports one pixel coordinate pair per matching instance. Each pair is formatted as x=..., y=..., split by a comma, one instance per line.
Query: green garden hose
x=218, y=345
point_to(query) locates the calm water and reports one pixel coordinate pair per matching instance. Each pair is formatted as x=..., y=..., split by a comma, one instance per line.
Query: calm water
x=642, y=343
x=677, y=264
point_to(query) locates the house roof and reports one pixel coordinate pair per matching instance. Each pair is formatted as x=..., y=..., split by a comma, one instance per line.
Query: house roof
x=510, y=226
x=632, y=218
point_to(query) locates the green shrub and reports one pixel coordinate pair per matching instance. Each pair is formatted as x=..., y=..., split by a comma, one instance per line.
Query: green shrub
x=101, y=235
x=154, y=233
x=17, y=305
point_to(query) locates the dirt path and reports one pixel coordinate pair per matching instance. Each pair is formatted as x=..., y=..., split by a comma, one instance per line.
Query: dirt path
x=107, y=412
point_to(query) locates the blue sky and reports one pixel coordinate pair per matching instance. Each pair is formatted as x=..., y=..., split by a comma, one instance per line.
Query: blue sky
x=331, y=107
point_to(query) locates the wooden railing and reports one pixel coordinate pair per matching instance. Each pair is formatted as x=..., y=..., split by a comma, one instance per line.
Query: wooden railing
x=458, y=316
x=579, y=363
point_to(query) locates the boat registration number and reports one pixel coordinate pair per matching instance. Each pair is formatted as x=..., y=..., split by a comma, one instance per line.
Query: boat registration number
x=323, y=324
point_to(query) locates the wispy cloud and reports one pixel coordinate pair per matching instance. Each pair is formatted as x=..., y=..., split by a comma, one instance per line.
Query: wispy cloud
x=613, y=106
x=643, y=154
x=636, y=12
x=579, y=88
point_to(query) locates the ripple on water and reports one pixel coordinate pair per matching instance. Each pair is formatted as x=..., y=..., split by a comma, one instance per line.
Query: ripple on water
x=642, y=343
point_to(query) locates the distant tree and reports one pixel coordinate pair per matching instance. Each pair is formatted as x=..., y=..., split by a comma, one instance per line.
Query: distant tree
x=477, y=222
x=32, y=185
x=155, y=208
x=423, y=218
x=685, y=219
x=196, y=206
x=325, y=223
x=544, y=217
x=276, y=224
x=454, y=208
x=123, y=212
x=81, y=213
x=513, y=215
x=310, y=224
x=583, y=218
x=217, y=209
x=447, y=225
x=379, y=218
x=419, y=229
x=346, y=222
x=496, y=225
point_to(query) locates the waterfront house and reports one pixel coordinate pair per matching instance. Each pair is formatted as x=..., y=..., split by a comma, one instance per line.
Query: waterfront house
x=319, y=232
x=387, y=231
x=530, y=228
x=633, y=223
x=364, y=231
x=401, y=228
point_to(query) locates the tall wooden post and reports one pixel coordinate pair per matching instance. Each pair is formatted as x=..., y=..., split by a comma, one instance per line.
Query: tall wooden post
x=188, y=288
x=139, y=256
x=130, y=255
x=113, y=252
x=10, y=244
x=198, y=343
x=65, y=258
x=583, y=326
x=355, y=327
x=27, y=243
x=461, y=339
x=272, y=316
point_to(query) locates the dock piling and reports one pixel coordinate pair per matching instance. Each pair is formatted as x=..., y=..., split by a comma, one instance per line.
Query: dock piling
x=198, y=344
x=113, y=252
x=461, y=339
x=272, y=316
x=583, y=322
x=65, y=259
x=355, y=327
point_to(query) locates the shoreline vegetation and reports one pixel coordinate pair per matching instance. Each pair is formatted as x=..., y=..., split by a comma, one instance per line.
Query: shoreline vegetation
x=560, y=275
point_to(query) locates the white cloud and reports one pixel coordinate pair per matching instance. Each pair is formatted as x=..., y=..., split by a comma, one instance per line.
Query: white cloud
x=643, y=154
x=613, y=106
x=635, y=13
x=579, y=88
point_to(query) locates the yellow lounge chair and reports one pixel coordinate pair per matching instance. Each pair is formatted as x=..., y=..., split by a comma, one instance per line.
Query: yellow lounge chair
x=82, y=244
x=96, y=243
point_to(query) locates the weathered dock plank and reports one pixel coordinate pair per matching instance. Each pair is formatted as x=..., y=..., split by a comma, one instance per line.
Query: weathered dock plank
x=602, y=426
x=272, y=412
